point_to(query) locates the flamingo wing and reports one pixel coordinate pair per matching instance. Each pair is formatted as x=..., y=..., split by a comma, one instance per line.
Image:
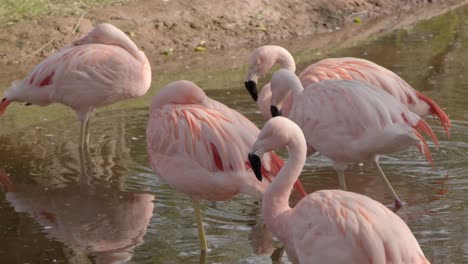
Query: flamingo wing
x=349, y=68
x=345, y=227
x=207, y=139
x=335, y=113
x=273, y=163
x=200, y=134
x=97, y=74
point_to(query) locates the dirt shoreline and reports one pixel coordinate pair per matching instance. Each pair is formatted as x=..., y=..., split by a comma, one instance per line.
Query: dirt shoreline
x=178, y=26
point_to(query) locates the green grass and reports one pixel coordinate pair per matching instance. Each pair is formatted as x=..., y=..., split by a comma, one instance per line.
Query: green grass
x=12, y=11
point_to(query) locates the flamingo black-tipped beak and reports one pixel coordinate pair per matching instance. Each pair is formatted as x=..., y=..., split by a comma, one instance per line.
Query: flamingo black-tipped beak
x=3, y=105
x=274, y=111
x=252, y=88
x=256, y=165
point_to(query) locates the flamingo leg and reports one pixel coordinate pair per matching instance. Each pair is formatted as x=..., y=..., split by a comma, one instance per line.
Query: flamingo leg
x=84, y=179
x=340, y=168
x=398, y=203
x=86, y=134
x=201, y=230
x=341, y=179
x=84, y=148
x=203, y=257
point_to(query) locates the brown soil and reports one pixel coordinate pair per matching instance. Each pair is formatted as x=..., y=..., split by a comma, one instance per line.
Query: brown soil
x=180, y=25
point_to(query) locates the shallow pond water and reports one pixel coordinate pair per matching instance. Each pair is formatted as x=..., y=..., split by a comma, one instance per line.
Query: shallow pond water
x=132, y=215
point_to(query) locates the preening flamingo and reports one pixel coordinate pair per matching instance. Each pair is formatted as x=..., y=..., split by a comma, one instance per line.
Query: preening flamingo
x=99, y=69
x=349, y=121
x=263, y=58
x=199, y=147
x=328, y=226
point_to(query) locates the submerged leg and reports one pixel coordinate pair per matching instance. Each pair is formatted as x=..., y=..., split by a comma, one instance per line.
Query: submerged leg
x=398, y=203
x=84, y=147
x=203, y=257
x=340, y=168
x=341, y=179
x=201, y=230
x=86, y=132
x=84, y=180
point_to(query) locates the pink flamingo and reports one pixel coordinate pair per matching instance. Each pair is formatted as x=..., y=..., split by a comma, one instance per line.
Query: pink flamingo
x=99, y=69
x=350, y=121
x=262, y=60
x=327, y=226
x=199, y=147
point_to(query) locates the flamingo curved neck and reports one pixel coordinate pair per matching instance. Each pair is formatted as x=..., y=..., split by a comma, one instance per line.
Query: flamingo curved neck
x=178, y=92
x=276, y=198
x=110, y=35
x=286, y=60
x=128, y=45
x=297, y=89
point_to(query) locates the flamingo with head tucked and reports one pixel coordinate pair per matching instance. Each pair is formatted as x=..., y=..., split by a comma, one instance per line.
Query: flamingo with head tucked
x=263, y=58
x=99, y=69
x=349, y=121
x=327, y=226
x=199, y=147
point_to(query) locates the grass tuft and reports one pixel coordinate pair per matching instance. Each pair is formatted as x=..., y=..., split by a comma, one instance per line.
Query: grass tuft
x=13, y=11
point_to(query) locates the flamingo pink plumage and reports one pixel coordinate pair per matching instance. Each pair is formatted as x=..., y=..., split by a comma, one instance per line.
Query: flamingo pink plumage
x=262, y=59
x=99, y=69
x=199, y=147
x=350, y=121
x=327, y=226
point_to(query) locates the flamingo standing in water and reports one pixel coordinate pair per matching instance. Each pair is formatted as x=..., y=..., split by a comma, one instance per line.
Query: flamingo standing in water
x=328, y=226
x=349, y=121
x=199, y=147
x=262, y=60
x=99, y=69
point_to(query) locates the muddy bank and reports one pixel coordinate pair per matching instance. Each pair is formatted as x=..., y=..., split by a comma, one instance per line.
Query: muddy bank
x=173, y=26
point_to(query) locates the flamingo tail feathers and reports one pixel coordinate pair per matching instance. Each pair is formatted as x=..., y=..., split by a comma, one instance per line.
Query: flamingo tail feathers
x=424, y=147
x=426, y=129
x=437, y=111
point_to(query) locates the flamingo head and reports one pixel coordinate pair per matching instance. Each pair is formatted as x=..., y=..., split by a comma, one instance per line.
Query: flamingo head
x=262, y=60
x=3, y=105
x=256, y=164
x=284, y=84
x=272, y=137
x=275, y=111
x=23, y=93
x=251, y=81
x=252, y=89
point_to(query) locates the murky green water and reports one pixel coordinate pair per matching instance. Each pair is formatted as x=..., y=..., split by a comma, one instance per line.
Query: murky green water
x=131, y=214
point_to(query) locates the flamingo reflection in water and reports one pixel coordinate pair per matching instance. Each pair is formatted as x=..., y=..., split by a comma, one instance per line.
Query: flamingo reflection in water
x=104, y=223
